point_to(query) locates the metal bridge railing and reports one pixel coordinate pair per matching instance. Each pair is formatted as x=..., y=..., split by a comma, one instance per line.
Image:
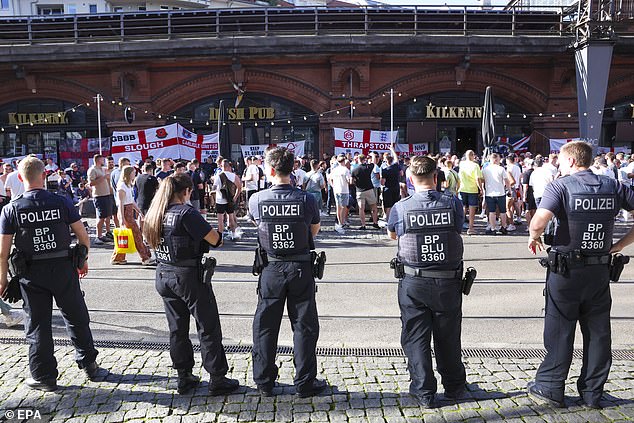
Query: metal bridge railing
x=402, y=20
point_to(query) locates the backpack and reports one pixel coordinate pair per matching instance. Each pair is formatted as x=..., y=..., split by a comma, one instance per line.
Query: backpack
x=227, y=188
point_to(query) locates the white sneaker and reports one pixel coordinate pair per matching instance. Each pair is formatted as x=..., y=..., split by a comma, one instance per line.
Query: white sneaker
x=14, y=318
x=339, y=229
x=511, y=228
x=237, y=234
x=518, y=221
x=323, y=214
x=97, y=241
x=148, y=262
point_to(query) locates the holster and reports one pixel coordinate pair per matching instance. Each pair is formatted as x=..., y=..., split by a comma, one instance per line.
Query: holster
x=208, y=267
x=398, y=267
x=260, y=261
x=468, y=279
x=550, y=231
x=79, y=255
x=319, y=263
x=17, y=264
x=617, y=263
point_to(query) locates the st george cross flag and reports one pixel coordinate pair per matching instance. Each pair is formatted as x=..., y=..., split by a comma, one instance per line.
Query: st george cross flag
x=173, y=141
x=80, y=151
x=557, y=143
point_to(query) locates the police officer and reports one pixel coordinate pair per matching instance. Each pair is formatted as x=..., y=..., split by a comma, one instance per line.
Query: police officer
x=39, y=220
x=287, y=220
x=427, y=226
x=180, y=236
x=577, y=284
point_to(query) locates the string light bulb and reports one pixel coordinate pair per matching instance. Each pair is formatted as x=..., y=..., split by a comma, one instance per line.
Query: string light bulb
x=73, y=109
x=553, y=115
x=508, y=116
x=585, y=113
x=272, y=123
x=613, y=108
x=524, y=116
x=191, y=120
x=120, y=104
x=175, y=117
x=541, y=114
x=414, y=100
x=369, y=101
x=2, y=129
x=255, y=124
x=305, y=118
x=337, y=111
x=207, y=123
x=87, y=104
x=145, y=111
x=17, y=127
x=113, y=102
x=600, y=111
x=159, y=116
x=239, y=123
x=288, y=121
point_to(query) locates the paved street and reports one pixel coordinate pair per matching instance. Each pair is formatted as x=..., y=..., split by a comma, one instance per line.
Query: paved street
x=141, y=388
x=358, y=309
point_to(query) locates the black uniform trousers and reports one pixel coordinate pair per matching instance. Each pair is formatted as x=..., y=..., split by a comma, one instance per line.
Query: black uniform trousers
x=43, y=281
x=432, y=308
x=183, y=294
x=583, y=296
x=281, y=282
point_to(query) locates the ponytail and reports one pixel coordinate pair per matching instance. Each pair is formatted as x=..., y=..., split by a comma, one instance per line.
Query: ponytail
x=170, y=189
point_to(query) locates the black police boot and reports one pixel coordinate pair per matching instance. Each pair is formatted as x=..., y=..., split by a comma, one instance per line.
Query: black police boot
x=314, y=388
x=266, y=390
x=48, y=385
x=222, y=385
x=426, y=401
x=186, y=381
x=94, y=372
x=537, y=392
x=456, y=393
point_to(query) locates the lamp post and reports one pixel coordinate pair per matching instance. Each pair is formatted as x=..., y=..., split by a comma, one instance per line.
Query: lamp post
x=219, y=118
x=99, y=98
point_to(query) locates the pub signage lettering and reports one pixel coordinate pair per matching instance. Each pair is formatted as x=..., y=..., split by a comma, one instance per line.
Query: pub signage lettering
x=244, y=113
x=453, y=112
x=57, y=118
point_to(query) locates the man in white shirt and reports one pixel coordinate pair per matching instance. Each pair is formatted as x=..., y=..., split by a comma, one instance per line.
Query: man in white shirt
x=251, y=178
x=13, y=185
x=339, y=178
x=495, y=182
x=226, y=206
x=300, y=174
x=539, y=179
x=551, y=166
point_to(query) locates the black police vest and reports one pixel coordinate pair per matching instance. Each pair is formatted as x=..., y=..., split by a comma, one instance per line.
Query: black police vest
x=42, y=224
x=282, y=230
x=430, y=239
x=590, y=208
x=177, y=246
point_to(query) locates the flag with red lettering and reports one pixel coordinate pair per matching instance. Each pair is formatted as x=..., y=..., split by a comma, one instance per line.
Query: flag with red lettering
x=173, y=141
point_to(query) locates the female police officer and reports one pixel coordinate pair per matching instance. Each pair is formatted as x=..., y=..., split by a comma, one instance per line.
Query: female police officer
x=181, y=236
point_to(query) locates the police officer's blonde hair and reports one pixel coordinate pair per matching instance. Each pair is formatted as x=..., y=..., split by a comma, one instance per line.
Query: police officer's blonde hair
x=171, y=189
x=581, y=151
x=31, y=168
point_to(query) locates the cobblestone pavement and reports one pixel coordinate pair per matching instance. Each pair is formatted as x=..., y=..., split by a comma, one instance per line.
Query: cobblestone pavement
x=141, y=387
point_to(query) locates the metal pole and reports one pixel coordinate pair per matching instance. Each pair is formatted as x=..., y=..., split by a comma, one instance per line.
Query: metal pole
x=391, y=115
x=219, y=116
x=99, y=120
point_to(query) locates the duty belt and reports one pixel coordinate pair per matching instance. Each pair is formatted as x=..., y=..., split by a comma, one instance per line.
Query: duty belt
x=576, y=257
x=298, y=257
x=48, y=256
x=184, y=263
x=436, y=274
